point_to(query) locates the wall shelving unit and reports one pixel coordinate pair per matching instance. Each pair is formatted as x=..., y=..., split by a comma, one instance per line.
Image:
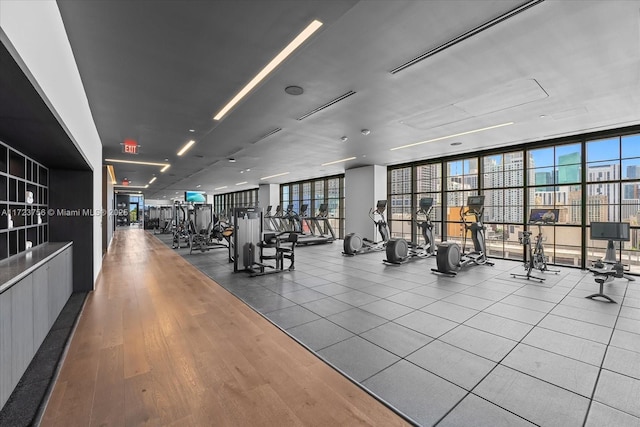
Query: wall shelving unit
x=22, y=220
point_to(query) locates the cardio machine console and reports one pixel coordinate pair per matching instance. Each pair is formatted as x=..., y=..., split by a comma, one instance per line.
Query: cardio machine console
x=475, y=203
x=547, y=216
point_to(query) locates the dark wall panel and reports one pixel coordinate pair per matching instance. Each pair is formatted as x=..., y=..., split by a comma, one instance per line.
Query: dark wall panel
x=70, y=201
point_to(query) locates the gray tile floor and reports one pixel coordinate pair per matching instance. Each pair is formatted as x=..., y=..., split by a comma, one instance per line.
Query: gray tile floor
x=478, y=349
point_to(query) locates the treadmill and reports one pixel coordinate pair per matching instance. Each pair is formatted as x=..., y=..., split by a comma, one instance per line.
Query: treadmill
x=320, y=230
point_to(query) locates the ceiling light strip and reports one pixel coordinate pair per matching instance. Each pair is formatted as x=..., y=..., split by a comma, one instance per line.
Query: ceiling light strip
x=288, y=50
x=467, y=35
x=112, y=174
x=338, y=161
x=136, y=162
x=452, y=136
x=220, y=188
x=186, y=147
x=153, y=179
x=241, y=183
x=131, y=186
x=164, y=169
x=328, y=104
x=274, y=176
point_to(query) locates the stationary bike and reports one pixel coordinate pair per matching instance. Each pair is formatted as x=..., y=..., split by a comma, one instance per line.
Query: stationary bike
x=450, y=258
x=400, y=251
x=354, y=244
x=534, y=255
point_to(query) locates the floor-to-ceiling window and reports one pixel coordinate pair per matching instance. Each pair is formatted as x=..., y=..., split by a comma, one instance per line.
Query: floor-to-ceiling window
x=584, y=178
x=314, y=193
x=223, y=204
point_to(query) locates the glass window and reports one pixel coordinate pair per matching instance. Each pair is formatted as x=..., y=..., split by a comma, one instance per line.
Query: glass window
x=630, y=146
x=606, y=149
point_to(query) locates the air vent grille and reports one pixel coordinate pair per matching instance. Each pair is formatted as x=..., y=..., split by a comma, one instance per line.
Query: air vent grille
x=267, y=135
x=328, y=104
x=466, y=35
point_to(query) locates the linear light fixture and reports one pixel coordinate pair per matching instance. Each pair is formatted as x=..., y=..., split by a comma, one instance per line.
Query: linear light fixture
x=186, y=147
x=131, y=186
x=338, y=161
x=304, y=35
x=452, y=136
x=164, y=169
x=243, y=182
x=137, y=162
x=153, y=179
x=112, y=174
x=221, y=188
x=276, y=175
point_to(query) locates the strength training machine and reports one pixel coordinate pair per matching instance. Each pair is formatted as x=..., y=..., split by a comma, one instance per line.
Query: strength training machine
x=534, y=254
x=450, y=258
x=355, y=244
x=400, y=251
x=609, y=268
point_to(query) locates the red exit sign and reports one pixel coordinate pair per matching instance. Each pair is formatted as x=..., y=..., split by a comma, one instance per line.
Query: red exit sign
x=130, y=146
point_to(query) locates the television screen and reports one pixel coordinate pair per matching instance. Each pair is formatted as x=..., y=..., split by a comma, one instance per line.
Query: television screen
x=618, y=231
x=195, y=196
x=544, y=215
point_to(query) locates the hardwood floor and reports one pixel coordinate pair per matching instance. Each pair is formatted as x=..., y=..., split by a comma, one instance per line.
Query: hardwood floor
x=160, y=343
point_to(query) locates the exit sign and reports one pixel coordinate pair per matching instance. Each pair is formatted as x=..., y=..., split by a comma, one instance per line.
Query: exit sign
x=130, y=146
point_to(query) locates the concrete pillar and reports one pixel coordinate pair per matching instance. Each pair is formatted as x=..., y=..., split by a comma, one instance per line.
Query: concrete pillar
x=268, y=195
x=364, y=186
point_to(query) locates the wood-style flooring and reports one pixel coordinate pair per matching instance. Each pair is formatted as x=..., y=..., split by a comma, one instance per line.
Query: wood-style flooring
x=160, y=343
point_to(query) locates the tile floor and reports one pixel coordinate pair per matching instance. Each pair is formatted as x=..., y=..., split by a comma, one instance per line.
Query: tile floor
x=478, y=349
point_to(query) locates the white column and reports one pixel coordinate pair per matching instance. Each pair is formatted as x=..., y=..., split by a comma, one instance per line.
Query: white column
x=364, y=186
x=269, y=195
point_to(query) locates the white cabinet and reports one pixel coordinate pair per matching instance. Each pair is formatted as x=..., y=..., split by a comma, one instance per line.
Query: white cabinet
x=28, y=309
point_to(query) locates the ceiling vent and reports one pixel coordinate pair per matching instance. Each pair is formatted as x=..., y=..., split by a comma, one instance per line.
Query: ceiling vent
x=267, y=135
x=328, y=104
x=466, y=35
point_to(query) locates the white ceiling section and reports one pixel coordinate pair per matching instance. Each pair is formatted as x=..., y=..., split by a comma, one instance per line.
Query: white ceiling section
x=154, y=70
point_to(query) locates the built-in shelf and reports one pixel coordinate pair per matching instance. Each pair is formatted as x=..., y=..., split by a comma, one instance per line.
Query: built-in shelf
x=24, y=192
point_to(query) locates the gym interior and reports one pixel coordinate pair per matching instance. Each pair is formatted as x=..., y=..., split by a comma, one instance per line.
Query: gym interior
x=320, y=213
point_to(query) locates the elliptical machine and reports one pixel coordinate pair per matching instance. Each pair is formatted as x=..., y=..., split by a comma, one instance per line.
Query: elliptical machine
x=400, y=251
x=534, y=254
x=354, y=244
x=450, y=258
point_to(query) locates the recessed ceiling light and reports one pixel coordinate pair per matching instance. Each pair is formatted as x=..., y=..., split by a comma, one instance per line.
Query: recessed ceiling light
x=240, y=183
x=232, y=160
x=186, y=147
x=456, y=143
x=220, y=188
x=153, y=179
x=135, y=162
x=198, y=186
x=344, y=139
x=365, y=132
x=192, y=130
x=304, y=35
x=452, y=136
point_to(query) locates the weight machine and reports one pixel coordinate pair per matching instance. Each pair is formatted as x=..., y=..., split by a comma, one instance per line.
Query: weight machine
x=609, y=268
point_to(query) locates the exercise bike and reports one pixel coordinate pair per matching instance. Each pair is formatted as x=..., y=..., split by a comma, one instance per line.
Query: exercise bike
x=450, y=258
x=400, y=251
x=535, y=259
x=354, y=244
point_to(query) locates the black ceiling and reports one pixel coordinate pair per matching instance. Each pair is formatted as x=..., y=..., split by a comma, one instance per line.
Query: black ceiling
x=28, y=125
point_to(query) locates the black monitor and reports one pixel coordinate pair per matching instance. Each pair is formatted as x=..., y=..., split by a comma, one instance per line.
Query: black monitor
x=323, y=208
x=303, y=208
x=544, y=215
x=426, y=203
x=614, y=231
x=475, y=203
